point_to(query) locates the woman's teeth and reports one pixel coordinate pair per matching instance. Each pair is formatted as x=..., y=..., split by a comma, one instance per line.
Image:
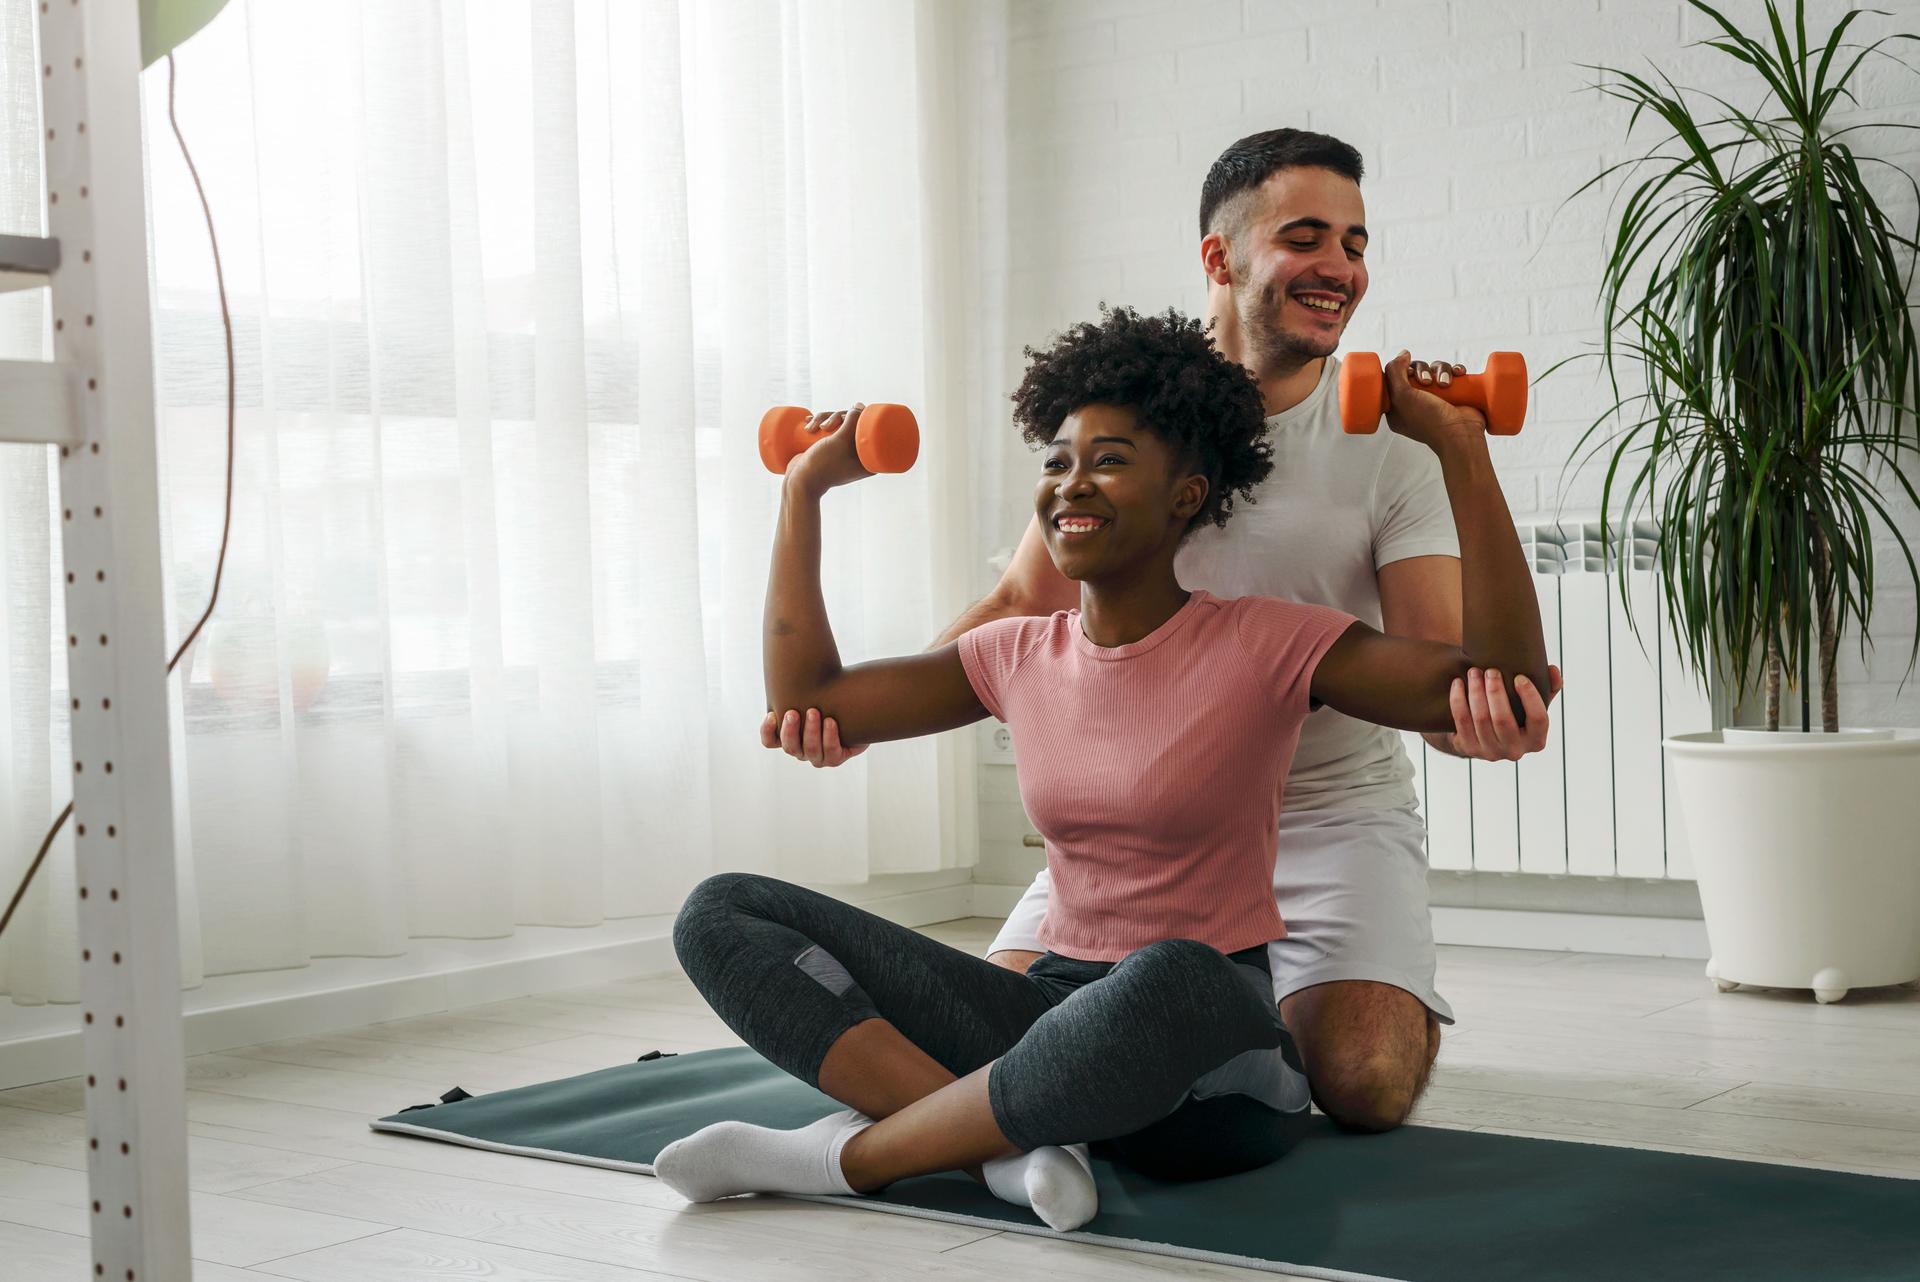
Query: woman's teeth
x=1078, y=525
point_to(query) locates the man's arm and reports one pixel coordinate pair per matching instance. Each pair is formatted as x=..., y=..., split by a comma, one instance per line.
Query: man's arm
x=1031, y=584
x=1420, y=598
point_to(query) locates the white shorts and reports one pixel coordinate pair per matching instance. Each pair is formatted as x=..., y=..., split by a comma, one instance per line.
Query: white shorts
x=1352, y=889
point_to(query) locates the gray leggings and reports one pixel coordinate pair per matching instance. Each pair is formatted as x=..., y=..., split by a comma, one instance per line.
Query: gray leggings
x=1081, y=1051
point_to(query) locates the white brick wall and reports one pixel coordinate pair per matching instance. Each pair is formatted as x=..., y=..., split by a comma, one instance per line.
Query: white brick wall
x=1475, y=125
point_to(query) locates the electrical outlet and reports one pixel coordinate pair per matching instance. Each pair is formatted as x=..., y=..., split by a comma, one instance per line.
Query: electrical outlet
x=996, y=743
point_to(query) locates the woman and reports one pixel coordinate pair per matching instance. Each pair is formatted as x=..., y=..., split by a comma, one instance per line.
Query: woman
x=1153, y=727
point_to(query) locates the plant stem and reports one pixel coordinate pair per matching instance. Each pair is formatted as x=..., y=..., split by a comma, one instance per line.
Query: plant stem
x=1829, y=631
x=1773, y=679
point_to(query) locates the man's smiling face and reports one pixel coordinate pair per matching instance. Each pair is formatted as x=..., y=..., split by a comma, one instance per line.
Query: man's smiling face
x=1299, y=265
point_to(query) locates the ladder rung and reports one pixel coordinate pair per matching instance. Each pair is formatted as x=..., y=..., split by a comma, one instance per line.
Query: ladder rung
x=36, y=405
x=27, y=261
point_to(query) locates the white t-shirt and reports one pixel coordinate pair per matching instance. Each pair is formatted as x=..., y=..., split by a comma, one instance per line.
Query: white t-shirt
x=1334, y=510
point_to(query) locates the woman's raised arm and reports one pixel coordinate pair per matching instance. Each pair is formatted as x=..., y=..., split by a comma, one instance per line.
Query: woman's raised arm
x=886, y=699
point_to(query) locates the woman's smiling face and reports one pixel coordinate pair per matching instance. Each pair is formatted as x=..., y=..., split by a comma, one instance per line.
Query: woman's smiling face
x=1111, y=493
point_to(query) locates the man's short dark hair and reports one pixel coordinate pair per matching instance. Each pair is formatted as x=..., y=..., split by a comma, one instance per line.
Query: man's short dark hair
x=1257, y=157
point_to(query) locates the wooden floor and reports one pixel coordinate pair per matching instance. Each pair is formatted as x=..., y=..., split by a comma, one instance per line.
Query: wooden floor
x=289, y=1183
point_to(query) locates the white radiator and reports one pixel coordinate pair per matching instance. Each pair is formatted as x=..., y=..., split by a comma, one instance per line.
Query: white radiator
x=1596, y=802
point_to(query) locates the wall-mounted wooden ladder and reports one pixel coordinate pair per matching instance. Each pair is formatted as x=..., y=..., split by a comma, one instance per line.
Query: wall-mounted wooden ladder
x=95, y=402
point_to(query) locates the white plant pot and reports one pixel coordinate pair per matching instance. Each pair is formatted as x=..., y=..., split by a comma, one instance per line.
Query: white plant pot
x=1807, y=851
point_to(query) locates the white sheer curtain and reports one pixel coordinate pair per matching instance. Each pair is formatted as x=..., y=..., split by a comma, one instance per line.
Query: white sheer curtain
x=512, y=284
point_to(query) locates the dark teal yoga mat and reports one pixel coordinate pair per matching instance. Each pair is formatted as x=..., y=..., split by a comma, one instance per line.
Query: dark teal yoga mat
x=1419, y=1204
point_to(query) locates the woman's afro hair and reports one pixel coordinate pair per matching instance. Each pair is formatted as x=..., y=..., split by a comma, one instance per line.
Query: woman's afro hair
x=1166, y=370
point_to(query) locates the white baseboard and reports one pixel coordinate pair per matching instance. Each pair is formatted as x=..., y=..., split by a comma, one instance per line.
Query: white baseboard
x=1571, y=932
x=1503, y=928
x=995, y=901
x=439, y=975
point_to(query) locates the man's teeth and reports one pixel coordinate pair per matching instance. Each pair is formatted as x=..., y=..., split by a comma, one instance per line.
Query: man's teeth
x=1319, y=304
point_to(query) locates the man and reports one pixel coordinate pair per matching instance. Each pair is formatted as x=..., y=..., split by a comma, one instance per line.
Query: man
x=1360, y=523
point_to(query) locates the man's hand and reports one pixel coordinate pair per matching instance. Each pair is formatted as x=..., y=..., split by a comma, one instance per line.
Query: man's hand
x=1013, y=959
x=809, y=741
x=1417, y=414
x=1484, y=728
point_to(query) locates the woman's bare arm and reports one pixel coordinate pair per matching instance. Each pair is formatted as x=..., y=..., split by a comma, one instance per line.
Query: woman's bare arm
x=886, y=699
x=1405, y=682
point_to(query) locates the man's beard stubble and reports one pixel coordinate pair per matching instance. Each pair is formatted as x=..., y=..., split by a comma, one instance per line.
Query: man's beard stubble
x=1275, y=350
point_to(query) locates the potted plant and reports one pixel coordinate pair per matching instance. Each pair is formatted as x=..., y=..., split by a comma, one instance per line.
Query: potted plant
x=1756, y=312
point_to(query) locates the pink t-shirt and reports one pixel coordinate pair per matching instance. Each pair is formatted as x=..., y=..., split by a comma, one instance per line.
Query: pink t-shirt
x=1153, y=769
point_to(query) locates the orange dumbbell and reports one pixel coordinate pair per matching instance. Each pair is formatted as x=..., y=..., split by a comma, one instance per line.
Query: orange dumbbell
x=1500, y=392
x=887, y=437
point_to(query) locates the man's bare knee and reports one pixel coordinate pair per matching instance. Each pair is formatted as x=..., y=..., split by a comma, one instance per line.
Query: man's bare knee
x=1367, y=1097
x=1369, y=1049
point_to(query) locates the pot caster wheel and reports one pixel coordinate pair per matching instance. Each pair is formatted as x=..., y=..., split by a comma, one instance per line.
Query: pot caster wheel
x=1719, y=984
x=1829, y=986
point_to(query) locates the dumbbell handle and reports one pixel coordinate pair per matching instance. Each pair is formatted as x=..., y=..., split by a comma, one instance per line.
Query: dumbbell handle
x=887, y=437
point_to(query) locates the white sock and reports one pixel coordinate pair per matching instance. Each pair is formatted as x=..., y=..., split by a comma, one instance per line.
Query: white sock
x=1056, y=1181
x=735, y=1157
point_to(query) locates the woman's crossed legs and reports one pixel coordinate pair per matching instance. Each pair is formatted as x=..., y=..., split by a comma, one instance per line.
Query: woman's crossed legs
x=965, y=1062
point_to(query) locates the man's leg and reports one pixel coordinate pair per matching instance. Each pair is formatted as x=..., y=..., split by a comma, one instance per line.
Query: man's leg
x=1355, y=975
x=1369, y=1048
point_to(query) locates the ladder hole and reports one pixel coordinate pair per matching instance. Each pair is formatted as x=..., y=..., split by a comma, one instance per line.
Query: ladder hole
x=89, y=322
x=99, y=576
x=89, y=1017
x=76, y=64
x=63, y=451
x=120, y=1021
x=86, y=255
x=123, y=1083
x=116, y=961
x=113, y=893
x=53, y=198
x=103, y=638
x=123, y=1146
x=77, y=767
x=112, y=831
x=126, y=1212
x=106, y=703
x=94, y=1143
x=59, y=325
x=81, y=829
x=103, y=641
x=69, y=576
x=86, y=954
x=96, y=513
x=93, y=383
x=96, y=1205
x=83, y=193
x=76, y=702
x=96, y=1208
x=69, y=514
x=73, y=640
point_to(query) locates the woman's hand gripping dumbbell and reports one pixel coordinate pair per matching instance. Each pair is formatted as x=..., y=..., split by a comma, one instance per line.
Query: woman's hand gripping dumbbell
x=866, y=439
x=1499, y=394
